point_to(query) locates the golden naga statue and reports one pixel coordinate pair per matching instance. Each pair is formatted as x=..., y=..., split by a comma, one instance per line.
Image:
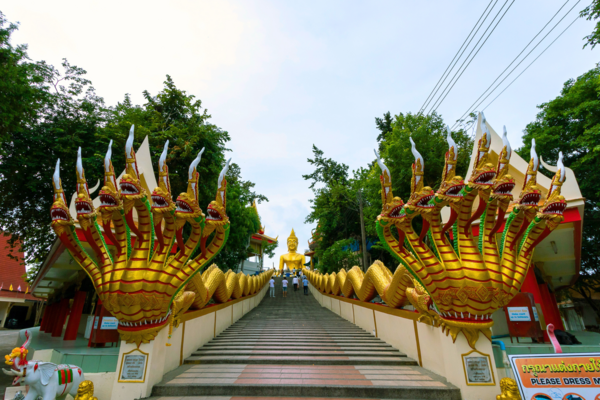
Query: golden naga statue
x=457, y=283
x=292, y=259
x=144, y=283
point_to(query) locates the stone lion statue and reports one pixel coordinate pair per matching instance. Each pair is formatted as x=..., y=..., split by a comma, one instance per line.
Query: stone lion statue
x=86, y=391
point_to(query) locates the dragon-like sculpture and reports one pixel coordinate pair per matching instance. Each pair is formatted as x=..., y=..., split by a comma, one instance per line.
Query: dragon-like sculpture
x=452, y=278
x=149, y=279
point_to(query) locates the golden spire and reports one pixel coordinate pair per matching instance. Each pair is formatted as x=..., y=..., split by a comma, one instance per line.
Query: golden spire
x=292, y=236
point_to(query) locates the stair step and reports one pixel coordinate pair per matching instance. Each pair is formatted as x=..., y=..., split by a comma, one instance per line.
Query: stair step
x=294, y=348
x=294, y=352
x=301, y=360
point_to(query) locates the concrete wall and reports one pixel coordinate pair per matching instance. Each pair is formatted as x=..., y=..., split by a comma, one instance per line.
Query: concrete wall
x=185, y=339
x=428, y=345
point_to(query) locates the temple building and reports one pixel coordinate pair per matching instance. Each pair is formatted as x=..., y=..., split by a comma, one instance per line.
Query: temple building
x=18, y=308
x=254, y=263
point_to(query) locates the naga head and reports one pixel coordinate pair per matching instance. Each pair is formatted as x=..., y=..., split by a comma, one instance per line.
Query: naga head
x=450, y=190
x=110, y=198
x=393, y=207
x=504, y=183
x=131, y=187
x=59, y=212
x=530, y=193
x=555, y=204
x=483, y=171
x=83, y=204
x=162, y=201
x=420, y=196
x=187, y=202
x=216, y=211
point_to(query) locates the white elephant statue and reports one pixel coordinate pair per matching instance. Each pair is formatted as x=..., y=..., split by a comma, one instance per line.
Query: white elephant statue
x=45, y=379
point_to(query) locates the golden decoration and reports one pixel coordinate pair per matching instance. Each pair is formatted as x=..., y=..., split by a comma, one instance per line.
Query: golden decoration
x=509, y=389
x=458, y=280
x=85, y=391
x=149, y=282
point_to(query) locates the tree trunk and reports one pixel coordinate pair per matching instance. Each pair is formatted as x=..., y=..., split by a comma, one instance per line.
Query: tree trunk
x=362, y=232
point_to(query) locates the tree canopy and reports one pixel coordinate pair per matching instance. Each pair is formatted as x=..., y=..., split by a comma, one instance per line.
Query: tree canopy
x=47, y=113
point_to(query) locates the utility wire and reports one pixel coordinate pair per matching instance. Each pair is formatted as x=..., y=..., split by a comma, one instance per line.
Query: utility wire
x=436, y=88
x=512, y=62
x=516, y=66
x=575, y=20
x=439, y=103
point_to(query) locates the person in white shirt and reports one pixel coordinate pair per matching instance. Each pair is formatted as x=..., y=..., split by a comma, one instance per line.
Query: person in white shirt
x=272, y=287
x=295, y=282
x=284, y=283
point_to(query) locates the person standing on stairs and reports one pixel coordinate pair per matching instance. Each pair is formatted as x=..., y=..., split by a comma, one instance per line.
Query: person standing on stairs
x=272, y=287
x=305, y=283
x=295, y=282
x=284, y=283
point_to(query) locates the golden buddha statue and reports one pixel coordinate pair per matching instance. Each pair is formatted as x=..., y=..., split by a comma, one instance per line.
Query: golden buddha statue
x=292, y=259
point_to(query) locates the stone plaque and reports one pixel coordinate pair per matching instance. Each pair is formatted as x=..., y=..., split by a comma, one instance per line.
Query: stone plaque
x=133, y=366
x=478, y=370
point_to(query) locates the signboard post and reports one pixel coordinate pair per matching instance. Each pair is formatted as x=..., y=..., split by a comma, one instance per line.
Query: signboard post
x=133, y=366
x=557, y=376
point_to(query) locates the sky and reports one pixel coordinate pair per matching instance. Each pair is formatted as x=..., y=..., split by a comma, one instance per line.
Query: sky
x=282, y=76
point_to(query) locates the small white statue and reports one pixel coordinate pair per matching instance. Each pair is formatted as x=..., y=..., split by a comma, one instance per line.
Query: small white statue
x=46, y=380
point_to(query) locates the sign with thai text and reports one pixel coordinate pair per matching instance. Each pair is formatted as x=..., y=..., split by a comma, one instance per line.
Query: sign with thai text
x=557, y=376
x=109, y=323
x=518, y=313
x=133, y=366
x=478, y=370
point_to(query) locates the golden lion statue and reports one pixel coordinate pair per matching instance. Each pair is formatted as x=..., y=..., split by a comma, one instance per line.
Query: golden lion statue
x=509, y=389
x=86, y=391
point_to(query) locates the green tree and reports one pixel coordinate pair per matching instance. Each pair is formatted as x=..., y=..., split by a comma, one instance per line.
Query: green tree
x=47, y=113
x=592, y=13
x=23, y=87
x=336, y=191
x=571, y=123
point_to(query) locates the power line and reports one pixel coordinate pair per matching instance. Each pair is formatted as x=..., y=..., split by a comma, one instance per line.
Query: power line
x=575, y=20
x=439, y=103
x=435, y=88
x=512, y=62
x=520, y=62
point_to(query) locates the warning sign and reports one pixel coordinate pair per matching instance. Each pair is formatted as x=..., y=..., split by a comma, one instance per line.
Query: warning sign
x=557, y=376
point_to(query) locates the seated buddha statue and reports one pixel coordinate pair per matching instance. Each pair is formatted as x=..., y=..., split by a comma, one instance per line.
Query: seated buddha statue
x=292, y=259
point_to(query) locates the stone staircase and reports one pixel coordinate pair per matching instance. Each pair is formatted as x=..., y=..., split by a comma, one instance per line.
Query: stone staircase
x=292, y=347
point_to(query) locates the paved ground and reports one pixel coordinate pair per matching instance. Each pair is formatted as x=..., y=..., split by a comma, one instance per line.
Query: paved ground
x=8, y=341
x=292, y=347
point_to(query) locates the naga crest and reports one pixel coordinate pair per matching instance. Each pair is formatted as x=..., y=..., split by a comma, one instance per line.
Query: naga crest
x=149, y=280
x=420, y=195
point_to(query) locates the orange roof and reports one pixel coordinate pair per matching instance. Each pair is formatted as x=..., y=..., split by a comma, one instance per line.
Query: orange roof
x=11, y=272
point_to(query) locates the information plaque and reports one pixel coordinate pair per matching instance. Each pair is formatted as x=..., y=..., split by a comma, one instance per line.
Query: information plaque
x=478, y=370
x=133, y=366
x=519, y=314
